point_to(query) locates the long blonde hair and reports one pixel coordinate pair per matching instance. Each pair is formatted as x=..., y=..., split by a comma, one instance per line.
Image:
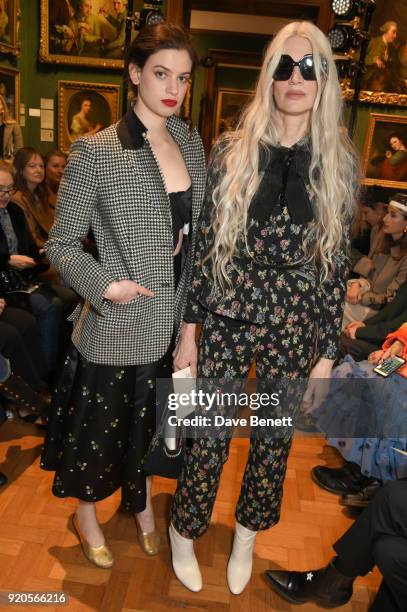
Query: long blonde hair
x=333, y=171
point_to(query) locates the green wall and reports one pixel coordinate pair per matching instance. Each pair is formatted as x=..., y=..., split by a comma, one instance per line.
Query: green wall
x=41, y=80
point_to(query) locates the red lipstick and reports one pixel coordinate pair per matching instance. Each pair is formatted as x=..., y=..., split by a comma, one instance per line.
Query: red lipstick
x=169, y=102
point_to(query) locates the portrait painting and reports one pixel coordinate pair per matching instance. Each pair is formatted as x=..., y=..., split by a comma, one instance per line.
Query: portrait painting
x=229, y=105
x=83, y=32
x=84, y=109
x=9, y=22
x=385, y=158
x=10, y=92
x=385, y=77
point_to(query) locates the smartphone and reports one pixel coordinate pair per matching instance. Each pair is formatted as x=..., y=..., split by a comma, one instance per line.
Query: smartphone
x=389, y=366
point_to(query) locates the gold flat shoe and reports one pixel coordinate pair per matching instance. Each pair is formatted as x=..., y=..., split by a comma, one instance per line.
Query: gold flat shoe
x=149, y=541
x=98, y=555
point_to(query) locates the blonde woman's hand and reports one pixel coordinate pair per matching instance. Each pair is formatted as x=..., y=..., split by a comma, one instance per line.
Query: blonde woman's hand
x=21, y=262
x=121, y=292
x=186, y=352
x=318, y=385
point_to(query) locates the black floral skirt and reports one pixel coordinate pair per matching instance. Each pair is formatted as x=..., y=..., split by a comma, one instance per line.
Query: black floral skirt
x=101, y=423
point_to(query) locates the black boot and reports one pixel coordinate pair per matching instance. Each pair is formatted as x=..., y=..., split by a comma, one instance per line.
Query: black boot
x=347, y=479
x=325, y=587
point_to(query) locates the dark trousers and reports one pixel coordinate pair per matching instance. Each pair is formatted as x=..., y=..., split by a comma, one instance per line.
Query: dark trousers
x=379, y=537
x=358, y=349
x=20, y=343
x=227, y=350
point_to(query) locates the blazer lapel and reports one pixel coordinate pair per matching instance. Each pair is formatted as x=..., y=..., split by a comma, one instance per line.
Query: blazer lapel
x=142, y=162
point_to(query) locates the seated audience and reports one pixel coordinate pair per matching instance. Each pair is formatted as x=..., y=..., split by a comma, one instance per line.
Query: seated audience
x=20, y=265
x=360, y=338
x=377, y=537
x=20, y=343
x=369, y=422
x=55, y=162
x=32, y=196
x=372, y=209
x=388, y=268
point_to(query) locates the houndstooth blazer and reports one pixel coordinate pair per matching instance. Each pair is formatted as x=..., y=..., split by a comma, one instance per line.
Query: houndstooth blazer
x=113, y=186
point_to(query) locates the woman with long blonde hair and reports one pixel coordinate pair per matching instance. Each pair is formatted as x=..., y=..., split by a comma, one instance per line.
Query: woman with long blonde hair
x=269, y=278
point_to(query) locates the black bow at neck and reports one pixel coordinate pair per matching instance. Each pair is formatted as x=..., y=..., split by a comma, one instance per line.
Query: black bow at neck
x=284, y=181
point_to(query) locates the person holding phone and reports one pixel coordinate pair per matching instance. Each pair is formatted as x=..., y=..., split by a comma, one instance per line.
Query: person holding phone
x=366, y=422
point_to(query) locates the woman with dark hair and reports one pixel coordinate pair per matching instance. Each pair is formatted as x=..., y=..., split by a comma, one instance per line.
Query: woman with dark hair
x=380, y=281
x=138, y=185
x=31, y=193
x=55, y=162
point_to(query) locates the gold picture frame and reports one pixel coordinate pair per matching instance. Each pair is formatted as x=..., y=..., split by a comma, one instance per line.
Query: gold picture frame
x=229, y=103
x=10, y=15
x=10, y=90
x=384, y=80
x=84, y=109
x=64, y=39
x=385, y=155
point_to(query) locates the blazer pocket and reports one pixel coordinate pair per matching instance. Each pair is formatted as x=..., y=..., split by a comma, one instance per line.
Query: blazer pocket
x=131, y=314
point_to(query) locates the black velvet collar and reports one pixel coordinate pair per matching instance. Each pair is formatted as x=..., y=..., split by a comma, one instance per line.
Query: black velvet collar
x=130, y=131
x=284, y=181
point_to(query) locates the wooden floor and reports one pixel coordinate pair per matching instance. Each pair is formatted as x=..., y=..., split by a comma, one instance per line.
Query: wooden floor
x=37, y=553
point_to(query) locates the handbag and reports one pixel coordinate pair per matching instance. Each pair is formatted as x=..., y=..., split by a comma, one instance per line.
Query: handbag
x=165, y=456
x=160, y=460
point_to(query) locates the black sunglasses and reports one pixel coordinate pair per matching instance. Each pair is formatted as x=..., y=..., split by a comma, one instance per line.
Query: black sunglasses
x=306, y=65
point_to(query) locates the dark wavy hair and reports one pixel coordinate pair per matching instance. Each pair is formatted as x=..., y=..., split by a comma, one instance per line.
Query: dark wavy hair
x=21, y=159
x=154, y=38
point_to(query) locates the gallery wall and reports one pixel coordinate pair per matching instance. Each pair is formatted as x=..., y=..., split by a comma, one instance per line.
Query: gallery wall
x=39, y=80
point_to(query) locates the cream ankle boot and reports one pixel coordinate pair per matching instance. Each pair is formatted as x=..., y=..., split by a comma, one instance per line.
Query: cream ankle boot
x=241, y=560
x=184, y=562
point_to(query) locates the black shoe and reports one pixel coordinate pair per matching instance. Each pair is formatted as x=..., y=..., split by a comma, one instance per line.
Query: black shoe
x=347, y=479
x=3, y=479
x=363, y=497
x=325, y=587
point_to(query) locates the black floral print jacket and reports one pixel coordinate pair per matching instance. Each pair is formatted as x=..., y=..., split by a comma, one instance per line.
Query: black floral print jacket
x=273, y=287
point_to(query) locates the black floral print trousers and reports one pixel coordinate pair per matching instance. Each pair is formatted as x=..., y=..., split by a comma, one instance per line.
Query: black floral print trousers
x=227, y=350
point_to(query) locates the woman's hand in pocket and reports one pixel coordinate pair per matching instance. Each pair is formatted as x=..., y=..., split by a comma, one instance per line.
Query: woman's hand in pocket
x=122, y=291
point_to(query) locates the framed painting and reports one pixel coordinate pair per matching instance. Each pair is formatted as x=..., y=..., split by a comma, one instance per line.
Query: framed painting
x=385, y=157
x=10, y=91
x=229, y=105
x=85, y=109
x=9, y=26
x=385, y=77
x=83, y=33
